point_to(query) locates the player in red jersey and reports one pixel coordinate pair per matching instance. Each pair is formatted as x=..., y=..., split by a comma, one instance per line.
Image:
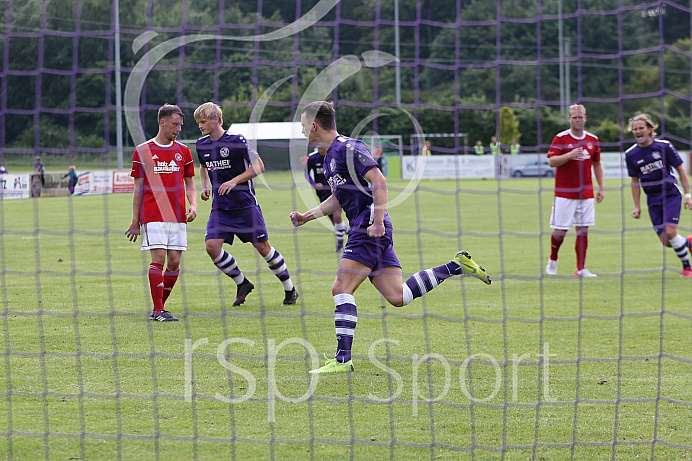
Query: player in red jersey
x=163, y=170
x=574, y=152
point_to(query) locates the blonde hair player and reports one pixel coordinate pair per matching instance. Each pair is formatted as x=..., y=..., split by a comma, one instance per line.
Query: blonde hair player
x=229, y=164
x=650, y=165
x=574, y=152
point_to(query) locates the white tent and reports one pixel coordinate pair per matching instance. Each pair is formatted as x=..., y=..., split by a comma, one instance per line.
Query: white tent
x=268, y=130
x=274, y=141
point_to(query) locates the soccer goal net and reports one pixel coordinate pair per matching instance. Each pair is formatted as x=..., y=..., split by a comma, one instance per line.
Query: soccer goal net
x=534, y=365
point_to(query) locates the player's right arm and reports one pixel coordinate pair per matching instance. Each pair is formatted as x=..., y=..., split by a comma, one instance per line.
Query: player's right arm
x=559, y=160
x=204, y=177
x=685, y=183
x=380, y=193
x=325, y=208
x=636, y=196
x=255, y=169
x=133, y=231
x=557, y=155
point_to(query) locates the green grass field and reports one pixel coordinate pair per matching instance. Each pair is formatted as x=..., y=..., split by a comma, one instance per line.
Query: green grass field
x=85, y=375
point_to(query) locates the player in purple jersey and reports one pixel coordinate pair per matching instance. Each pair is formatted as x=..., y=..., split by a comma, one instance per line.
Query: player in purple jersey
x=314, y=173
x=360, y=189
x=650, y=163
x=230, y=164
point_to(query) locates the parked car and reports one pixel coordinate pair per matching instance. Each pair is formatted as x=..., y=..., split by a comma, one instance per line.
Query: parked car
x=534, y=169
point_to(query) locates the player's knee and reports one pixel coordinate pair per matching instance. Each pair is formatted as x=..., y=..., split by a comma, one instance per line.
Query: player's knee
x=173, y=263
x=396, y=301
x=559, y=234
x=263, y=248
x=340, y=288
x=213, y=249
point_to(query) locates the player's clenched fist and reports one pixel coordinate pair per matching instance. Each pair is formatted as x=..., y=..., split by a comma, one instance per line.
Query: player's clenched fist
x=298, y=219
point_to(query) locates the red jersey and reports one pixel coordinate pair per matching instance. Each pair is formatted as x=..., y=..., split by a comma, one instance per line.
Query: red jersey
x=163, y=169
x=573, y=179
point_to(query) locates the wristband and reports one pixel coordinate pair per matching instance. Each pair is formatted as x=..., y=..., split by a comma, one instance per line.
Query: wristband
x=688, y=196
x=317, y=212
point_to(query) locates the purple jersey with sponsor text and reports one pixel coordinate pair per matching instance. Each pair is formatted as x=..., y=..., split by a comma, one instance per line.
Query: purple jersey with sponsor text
x=653, y=165
x=224, y=159
x=345, y=166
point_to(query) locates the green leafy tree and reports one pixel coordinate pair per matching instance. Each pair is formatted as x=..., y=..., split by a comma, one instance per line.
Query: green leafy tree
x=509, y=126
x=607, y=131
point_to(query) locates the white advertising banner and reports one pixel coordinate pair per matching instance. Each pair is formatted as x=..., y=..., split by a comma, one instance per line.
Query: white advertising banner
x=447, y=166
x=501, y=166
x=15, y=186
x=94, y=182
x=532, y=165
x=613, y=165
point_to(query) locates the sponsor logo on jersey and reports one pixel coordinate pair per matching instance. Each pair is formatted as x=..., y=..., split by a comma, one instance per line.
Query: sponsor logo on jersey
x=165, y=167
x=585, y=155
x=217, y=164
x=336, y=181
x=653, y=166
x=154, y=157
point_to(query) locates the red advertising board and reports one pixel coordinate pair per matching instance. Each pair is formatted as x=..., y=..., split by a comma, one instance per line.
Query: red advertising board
x=122, y=181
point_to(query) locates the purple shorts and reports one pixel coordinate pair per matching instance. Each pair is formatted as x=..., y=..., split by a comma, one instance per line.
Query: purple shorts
x=375, y=253
x=247, y=224
x=665, y=213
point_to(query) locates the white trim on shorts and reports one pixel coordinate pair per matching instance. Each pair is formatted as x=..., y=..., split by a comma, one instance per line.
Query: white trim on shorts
x=568, y=212
x=164, y=235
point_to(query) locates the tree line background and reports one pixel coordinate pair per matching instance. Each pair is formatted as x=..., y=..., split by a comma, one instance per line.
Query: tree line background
x=478, y=67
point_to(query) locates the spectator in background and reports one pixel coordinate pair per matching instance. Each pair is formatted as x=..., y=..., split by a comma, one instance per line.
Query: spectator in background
x=377, y=154
x=478, y=148
x=514, y=148
x=426, y=149
x=72, y=178
x=3, y=170
x=39, y=169
x=494, y=146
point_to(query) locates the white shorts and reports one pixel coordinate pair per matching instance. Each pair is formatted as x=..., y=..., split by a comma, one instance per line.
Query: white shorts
x=569, y=212
x=166, y=235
